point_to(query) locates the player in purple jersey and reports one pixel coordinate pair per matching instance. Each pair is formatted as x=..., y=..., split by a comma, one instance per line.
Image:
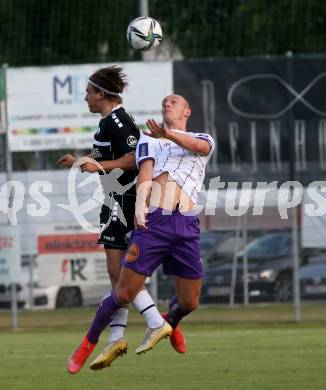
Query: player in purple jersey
x=113, y=147
x=171, y=172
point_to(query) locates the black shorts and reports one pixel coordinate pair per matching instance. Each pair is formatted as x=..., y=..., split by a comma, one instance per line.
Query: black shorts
x=114, y=234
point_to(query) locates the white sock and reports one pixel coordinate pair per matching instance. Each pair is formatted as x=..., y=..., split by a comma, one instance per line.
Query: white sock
x=144, y=303
x=118, y=325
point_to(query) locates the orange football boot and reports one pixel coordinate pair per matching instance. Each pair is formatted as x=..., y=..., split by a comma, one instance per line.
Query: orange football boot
x=177, y=338
x=79, y=357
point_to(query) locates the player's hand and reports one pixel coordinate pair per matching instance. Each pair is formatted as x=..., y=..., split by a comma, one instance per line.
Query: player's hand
x=140, y=219
x=156, y=130
x=66, y=161
x=89, y=167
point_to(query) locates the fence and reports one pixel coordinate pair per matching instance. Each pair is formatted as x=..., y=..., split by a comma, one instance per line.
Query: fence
x=88, y=31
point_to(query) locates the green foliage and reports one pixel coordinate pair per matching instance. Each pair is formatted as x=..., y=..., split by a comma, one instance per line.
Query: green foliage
x=235, y=28
x=44, y=32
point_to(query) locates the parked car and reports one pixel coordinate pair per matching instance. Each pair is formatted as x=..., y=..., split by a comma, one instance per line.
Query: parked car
x=269, y=271
x=313, y=281
x=208, y=240
x=60, y=281
x=43, y=297
x=224, y=249
x=5, y=296
x=211, y=239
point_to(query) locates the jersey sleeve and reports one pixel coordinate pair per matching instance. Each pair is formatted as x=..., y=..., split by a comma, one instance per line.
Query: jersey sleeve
x=145, y=149
x=124, y=138
x=207, y=138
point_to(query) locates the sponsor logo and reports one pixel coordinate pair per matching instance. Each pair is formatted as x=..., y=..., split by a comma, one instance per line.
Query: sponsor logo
x=109, y=238
x=69, y=89
x=243, y=85
x=73, y=269
x=132, y=253
x=132, y=141
x=127, y=237
x=64, y=268
x=68, y=243
x=143, y=150
x=96, y=153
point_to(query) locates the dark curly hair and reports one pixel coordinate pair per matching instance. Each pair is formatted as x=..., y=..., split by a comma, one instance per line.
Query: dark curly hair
x=111, y=79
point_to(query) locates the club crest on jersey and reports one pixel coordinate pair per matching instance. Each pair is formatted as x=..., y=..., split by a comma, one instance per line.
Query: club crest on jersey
x=132, y=253
x=132, y=141
x=143, y=150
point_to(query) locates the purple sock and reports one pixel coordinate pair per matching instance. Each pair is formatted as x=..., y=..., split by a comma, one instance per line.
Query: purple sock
x=176, y=312
x=107, y=307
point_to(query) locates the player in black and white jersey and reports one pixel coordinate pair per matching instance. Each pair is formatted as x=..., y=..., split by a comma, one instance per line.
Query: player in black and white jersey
x=114, y=143
x=114, y=147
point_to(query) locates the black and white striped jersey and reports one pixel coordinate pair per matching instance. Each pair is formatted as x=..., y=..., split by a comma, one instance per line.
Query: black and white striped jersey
x=117, y=135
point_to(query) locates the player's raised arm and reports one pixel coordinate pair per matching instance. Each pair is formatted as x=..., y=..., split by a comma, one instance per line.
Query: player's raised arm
x=195, y=144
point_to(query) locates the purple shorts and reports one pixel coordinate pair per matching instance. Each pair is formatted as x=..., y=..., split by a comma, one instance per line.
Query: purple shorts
x=172, y=240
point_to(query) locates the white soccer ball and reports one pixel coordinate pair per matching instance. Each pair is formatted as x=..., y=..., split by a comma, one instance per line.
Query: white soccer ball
x=144, y=33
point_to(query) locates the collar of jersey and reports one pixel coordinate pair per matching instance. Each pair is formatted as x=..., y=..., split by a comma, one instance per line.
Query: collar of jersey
x=115, y=108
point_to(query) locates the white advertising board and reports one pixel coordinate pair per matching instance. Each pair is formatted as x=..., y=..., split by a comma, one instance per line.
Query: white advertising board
x=70, y=256
x=46, y=107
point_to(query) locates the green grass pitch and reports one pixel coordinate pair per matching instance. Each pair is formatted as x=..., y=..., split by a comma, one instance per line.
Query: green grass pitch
x=244, y=348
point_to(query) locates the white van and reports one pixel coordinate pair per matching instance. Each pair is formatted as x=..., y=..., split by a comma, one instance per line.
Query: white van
x=70, y=269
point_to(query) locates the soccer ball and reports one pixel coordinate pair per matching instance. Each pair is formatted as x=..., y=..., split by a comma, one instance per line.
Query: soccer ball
x=144, y=33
